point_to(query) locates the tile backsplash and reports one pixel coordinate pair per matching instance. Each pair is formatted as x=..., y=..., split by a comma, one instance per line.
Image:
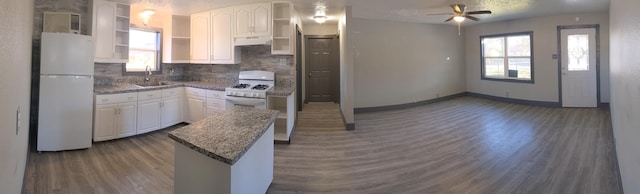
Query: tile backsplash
x=111, y=73
x=256, y=57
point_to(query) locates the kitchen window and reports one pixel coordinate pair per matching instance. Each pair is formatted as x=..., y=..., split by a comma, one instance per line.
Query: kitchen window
x=507, y=57
x=144, y=49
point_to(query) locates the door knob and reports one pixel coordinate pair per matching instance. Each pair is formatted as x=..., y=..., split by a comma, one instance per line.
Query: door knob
x=309, y=74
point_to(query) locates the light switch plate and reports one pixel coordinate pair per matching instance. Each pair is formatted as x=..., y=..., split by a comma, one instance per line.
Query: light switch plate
x=554, y=56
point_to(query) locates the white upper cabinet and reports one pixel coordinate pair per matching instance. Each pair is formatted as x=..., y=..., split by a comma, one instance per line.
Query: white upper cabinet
x=200, y=38
x=212, y=38
x=110, y=29
x=222, y=49
x=252, y=20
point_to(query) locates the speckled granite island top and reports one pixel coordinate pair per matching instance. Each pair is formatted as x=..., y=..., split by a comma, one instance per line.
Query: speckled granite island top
x=226, y=136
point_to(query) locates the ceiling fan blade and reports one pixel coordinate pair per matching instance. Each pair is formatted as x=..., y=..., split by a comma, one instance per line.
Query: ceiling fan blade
x=458, y=8
x=479, y=12
x=449, y=19
x=472, y=18
x=440, y=14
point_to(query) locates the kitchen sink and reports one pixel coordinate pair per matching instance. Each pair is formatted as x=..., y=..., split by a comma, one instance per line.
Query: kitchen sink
x=151, y=84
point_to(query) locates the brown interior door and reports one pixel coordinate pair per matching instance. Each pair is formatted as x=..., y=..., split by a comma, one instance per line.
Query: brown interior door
x=320, y=82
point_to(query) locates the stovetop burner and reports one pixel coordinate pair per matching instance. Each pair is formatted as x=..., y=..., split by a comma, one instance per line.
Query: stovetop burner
x=241, y=86
x=260, y=87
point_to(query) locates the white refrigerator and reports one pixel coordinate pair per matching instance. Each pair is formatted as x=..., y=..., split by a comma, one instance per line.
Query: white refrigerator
x=65, y=115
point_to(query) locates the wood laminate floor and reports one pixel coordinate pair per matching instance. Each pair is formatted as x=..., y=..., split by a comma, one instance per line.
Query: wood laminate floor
x=320, y=117
x=463, y=145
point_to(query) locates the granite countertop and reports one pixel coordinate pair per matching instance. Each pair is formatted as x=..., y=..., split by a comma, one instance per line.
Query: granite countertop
x=226, y=136
x=124, y=88
x=282, y=90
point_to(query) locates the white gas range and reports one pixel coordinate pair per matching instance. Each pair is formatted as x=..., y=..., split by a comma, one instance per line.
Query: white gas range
x=251, y=89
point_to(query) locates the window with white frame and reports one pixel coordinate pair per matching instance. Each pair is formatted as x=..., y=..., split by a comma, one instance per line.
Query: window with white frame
x=508, y=57
x=144, y=50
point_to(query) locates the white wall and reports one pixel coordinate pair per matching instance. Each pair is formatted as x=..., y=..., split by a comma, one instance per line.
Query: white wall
x=625, y=89
x=346, y=65
x=545, y=44
x=400, y=63
x=16, y=17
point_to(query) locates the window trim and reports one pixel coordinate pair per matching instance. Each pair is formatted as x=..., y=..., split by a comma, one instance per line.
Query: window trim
x=159, y=51
x=506, y=79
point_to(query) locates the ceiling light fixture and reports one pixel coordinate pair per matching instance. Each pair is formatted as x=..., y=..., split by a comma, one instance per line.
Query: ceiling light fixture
x=320, y=19
x=146, y=15
x=321, y=15
x=459, y=18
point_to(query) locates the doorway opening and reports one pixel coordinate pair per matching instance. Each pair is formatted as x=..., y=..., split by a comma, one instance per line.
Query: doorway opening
x=298, y=68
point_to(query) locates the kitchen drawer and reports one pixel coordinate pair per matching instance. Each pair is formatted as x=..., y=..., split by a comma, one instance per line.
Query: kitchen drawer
x=116, y=98
x=146, y=95
x=217, y=103
x=172, y=92
x=195, y=92
x=215, y=94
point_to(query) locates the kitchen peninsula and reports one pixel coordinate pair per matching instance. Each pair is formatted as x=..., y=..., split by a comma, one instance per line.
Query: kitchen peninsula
x=229, y=152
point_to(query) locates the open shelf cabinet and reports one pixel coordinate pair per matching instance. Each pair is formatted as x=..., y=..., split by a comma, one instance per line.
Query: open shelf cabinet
x=284, y=124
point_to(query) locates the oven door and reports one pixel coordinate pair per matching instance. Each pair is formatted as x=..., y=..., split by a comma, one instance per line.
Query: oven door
x=243, y=101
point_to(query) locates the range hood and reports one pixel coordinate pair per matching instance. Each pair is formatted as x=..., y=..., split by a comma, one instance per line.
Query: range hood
x=253, y=40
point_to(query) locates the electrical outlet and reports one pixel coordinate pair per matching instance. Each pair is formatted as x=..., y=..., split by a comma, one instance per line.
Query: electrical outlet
x=506, y=94
x=283, y=62
x=437, y=95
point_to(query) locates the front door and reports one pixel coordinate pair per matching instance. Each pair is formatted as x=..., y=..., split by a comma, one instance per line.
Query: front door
x=321, y=69
x=578, y=67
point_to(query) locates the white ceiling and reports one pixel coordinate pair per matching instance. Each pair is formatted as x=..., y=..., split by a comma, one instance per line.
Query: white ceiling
x=402, y=10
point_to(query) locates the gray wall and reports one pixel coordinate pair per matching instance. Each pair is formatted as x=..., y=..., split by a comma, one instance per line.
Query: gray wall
x=399, y=63
x=16, y=30
x=625, y=89
x=545, y=44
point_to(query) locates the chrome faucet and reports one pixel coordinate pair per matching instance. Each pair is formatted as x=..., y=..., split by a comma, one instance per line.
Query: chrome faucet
x=148, y=73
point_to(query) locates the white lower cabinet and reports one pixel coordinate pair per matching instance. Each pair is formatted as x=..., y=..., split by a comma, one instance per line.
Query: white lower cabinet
x=194, y=105
x=127, y=114
x=149, y=111
x=215, y=102
x=201, y=103
x=171, y=111
x=115, y=116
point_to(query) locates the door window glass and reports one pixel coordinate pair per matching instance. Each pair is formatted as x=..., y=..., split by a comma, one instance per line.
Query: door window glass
x=578, y=51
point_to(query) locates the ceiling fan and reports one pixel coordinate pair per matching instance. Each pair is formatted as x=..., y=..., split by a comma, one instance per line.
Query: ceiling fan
x=460, y=14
